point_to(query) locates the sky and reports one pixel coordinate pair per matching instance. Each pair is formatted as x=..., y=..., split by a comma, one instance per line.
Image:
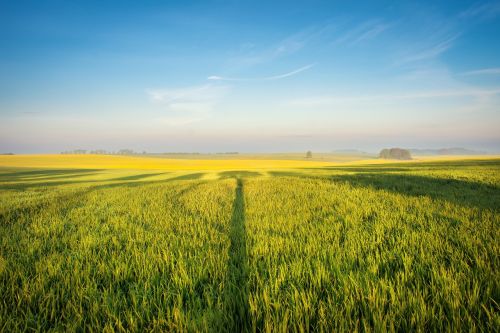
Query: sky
x=248, y=76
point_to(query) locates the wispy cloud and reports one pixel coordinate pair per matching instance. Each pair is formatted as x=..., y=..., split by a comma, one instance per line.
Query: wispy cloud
x=268, y=78
x=364, y=31
x=482, y=10
x=429, y=52
x=371, y=33
x=485, y=71
x=189, y=104
x=284, y=47
x=204, y=93
x=312, y=35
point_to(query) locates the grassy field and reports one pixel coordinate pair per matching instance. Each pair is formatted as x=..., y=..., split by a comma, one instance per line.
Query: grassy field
x=107, y=243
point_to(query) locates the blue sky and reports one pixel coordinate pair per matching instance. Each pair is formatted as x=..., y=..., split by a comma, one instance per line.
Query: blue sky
x=248, y=76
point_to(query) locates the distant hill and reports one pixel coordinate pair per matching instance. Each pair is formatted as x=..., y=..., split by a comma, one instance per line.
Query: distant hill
x=395, y=154
x=350, y=152
x=446, y=151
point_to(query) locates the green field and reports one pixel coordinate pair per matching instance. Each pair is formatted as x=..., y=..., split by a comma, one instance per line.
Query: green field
x=385, y=247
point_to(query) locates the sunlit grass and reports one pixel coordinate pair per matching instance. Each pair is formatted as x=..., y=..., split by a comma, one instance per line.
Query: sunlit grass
x=367, y=247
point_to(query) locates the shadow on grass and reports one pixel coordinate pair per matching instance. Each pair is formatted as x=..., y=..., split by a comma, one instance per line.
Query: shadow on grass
x=15, y=212
x=236, y=292
x=140, y=176
x=41, y=175
x=21, y=186
x=460, y=192
x=296, y=174
x=364, y=169
x=238, y=174
x=131, y=181
x=23, y=212
x=412, y=166
x=189, y=176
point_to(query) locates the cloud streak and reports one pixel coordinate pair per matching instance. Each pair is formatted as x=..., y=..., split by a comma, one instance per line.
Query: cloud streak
x=430, y=52
x=482, y=11
x=485, y=71
x=284, y=47
x=365, y=31
x=204, y=93
x=189, y=104
x=268, y=78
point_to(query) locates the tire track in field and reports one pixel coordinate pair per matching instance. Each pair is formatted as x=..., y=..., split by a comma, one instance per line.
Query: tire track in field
x=236, y=298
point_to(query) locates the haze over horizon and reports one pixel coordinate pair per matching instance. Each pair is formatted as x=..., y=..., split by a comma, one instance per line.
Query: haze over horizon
x=214, y=76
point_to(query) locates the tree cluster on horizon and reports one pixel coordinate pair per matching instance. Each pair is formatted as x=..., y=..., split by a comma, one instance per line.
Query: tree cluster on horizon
x=395, y=154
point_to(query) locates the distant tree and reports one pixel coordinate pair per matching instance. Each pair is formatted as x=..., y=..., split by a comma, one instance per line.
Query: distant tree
x=395, y=154
x=125, y=152
x=97, y=152
x=309, y=154
x=78, y=151
x=384, y=153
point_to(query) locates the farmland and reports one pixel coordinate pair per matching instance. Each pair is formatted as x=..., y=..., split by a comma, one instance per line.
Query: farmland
x=100, y=243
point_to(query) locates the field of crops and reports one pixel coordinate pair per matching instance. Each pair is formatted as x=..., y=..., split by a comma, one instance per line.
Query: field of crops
x=283, y=247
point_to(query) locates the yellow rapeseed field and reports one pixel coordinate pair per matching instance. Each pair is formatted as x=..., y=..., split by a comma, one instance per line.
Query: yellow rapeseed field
x=89, y=161
x=145, y=163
